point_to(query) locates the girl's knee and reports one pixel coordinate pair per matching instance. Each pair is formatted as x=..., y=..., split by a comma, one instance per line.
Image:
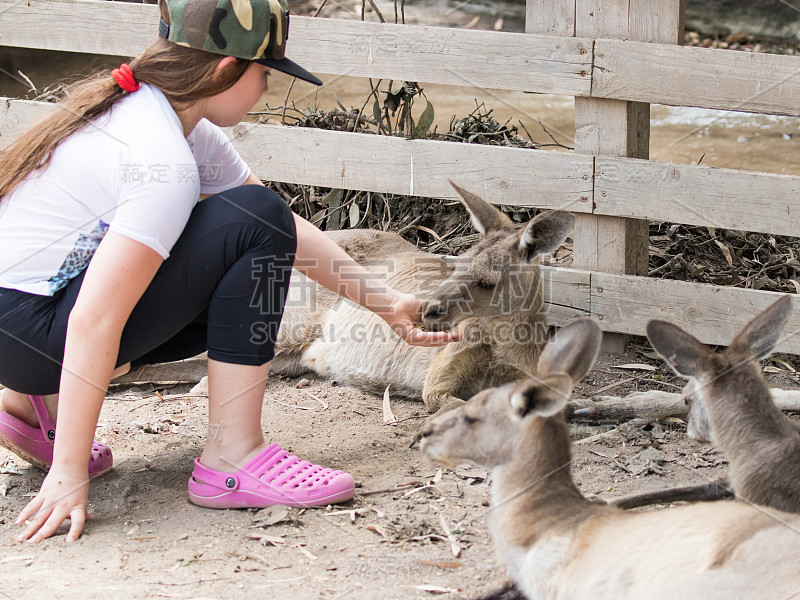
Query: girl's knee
x=265, y=209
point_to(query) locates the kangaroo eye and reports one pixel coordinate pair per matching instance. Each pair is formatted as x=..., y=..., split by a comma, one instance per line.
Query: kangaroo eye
x=470, y=420
x=486, y=285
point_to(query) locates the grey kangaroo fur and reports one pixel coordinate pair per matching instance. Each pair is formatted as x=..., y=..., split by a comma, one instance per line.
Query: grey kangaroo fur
x=558, y=545
x=730, y=406
x=492, y=295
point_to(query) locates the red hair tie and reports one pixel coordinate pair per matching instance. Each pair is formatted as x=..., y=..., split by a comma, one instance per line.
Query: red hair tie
x=124, y=78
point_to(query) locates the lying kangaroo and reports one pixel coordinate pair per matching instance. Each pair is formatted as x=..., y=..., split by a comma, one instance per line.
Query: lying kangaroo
x=730, y=405
x=492, y=295
x=559, y=545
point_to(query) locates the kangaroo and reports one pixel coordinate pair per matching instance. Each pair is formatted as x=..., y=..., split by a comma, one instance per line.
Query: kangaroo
x=730, y=405
x=558, y=545
x=492, y=295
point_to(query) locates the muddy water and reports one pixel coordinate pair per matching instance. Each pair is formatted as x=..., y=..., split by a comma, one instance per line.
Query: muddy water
x=682, y=135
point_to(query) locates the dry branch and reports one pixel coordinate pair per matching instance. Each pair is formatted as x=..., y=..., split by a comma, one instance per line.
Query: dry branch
x=654, y=405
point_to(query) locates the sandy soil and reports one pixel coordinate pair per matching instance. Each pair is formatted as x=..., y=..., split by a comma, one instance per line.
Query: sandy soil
x=147, y=541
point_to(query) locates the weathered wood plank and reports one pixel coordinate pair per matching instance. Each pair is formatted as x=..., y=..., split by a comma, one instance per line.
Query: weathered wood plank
x=567, y=294
x=701, y=77
x=488, y=59
x=713, y=314
x=18, y=115
x=722, y=198
x=114, y=28
x=688, y=194
x=416, y=167
x=542, y=178
x=656, y=21
x=550, y=17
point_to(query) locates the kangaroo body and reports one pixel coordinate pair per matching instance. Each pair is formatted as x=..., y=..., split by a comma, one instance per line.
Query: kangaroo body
x=492, y=295
x=730, y=405
x=558, y=545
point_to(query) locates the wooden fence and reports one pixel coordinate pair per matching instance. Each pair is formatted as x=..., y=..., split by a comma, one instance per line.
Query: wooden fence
x=614, y=56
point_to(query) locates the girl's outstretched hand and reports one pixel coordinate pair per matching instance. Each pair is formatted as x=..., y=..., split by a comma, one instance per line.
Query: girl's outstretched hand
x=402, y=317
x=63, y=495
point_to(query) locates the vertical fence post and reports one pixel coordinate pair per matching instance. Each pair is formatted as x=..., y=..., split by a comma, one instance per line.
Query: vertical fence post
x=610, y=127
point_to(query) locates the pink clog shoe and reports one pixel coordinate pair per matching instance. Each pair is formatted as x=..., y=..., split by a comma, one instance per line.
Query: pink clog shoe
x=272, y=477
x=35, y=444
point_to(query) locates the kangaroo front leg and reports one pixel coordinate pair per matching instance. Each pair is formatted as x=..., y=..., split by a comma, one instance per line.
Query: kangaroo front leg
x=455, y=369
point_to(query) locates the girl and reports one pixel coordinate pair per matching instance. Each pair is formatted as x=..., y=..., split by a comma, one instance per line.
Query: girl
x=107, y=259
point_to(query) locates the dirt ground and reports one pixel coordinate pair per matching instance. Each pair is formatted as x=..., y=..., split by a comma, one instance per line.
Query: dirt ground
x=147, y=541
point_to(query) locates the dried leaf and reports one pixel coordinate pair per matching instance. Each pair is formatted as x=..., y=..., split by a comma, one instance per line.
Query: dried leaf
x=455, y=548
x=320, y=400
x=436, y=589
x=388, y=415
x=475, y=20
x=430, y=231
x=334, y=196
x=376, y=112
x=636, y=367
x=440, y=564
x=726, y=251
x=15, y=558
x=271, y=516
x=380, y=530
x=9, y=468
x=354, y=215
x=424, y=123
x=266, y=539
x=305, y=552
x=783, y=363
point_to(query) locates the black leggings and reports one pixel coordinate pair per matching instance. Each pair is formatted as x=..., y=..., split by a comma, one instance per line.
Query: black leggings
x=222, y=289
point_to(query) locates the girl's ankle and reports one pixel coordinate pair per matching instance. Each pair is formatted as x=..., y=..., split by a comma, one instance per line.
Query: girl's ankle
x=230, y=459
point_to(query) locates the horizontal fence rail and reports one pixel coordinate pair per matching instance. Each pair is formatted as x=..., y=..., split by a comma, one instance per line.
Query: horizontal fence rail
x=625, y=303
x=615, y=69
x=618, y=187
x=700, y=77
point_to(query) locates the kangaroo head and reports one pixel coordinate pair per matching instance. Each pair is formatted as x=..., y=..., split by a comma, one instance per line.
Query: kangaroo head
x=490, y=428
x=714, y=376
x=500, y=274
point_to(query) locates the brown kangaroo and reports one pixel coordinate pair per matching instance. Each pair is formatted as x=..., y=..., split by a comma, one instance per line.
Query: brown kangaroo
x=492, y=295
x=558, y=545
x=730, y=405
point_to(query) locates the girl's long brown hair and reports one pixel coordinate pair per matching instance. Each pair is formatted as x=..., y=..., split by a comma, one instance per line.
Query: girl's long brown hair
x=183, y=74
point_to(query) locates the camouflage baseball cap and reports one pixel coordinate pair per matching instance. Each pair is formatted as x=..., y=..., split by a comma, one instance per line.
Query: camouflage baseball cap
x=250, y=29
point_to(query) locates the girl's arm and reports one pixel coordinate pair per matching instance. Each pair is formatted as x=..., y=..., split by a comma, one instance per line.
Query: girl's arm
x=321, y=259
x=116, y=278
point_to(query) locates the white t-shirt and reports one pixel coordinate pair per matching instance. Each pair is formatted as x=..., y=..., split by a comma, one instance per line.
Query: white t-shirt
x=130, y=171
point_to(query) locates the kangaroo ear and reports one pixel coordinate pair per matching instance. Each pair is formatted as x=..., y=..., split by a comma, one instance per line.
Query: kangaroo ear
x=758, y=338
x=545, y=233
x=485, y=217
x=682, y=351
x=572, y=350
x=543, y=397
